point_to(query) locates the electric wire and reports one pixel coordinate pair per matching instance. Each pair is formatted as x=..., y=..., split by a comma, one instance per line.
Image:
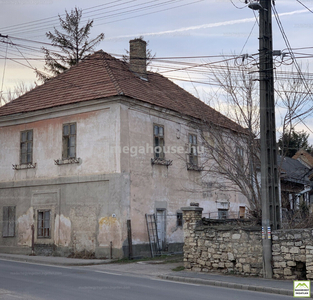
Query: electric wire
x=305, y=6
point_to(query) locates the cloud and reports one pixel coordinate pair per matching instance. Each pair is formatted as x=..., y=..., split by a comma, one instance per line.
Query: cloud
x=204, y=26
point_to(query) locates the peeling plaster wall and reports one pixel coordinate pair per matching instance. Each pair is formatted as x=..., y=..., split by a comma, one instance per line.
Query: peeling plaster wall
x=96, y=134
x=87, y=213
x=91, y=201
x=152, y=185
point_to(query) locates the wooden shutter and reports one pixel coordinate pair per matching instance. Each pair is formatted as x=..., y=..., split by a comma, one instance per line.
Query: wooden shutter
x=8, y=228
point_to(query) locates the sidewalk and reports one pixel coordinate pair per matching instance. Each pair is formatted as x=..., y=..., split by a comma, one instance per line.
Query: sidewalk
x=54, y=260
x=165, y=271
x=273, y=286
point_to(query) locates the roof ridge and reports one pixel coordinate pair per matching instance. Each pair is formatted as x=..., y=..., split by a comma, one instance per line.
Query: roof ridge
x=114, y=80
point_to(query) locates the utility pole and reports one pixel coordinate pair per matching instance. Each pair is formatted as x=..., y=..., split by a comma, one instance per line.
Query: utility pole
x=269, y=176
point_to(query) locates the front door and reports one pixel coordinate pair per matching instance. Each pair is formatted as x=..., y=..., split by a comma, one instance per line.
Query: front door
x=161, y=219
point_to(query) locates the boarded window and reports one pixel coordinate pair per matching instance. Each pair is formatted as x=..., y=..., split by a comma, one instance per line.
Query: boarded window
x=69, y=141
x=43, y=228
x=242, y=212
x=193, y=149
x=26, y=147
x=8, y=229
x=179, y=221
x=158, y=133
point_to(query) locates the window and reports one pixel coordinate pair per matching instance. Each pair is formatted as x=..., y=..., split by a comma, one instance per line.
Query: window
x=179, y=221
x=43, y=224
x=69, y=141
x=193, y=152
x=158, y=133
x=222, y=213
x=242, y=212
x=26, y=147
x=8, y=229
x=240, y=154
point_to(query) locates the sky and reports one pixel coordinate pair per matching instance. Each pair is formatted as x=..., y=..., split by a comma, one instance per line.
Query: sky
x=183, y=34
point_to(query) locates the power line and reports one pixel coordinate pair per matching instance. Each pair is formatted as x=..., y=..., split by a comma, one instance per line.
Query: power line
x=305, y=6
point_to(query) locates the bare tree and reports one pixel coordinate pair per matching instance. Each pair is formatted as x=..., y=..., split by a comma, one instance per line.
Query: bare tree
x=20, y=89
x=232, y=156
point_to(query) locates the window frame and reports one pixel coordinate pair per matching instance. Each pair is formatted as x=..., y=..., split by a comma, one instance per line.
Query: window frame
x=66, y=141
x=222, y=213
x=179, y=219
x=24, y=153
x=41, y=230
x=240, y=156
x=158, y=141
x=193, y=149
x=9, y=216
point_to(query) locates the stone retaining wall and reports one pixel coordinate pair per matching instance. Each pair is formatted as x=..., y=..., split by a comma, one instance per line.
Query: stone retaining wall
x=292, y=252
x=235, y=247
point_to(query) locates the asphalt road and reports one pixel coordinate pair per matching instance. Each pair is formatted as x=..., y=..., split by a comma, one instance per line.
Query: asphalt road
x=41, y=282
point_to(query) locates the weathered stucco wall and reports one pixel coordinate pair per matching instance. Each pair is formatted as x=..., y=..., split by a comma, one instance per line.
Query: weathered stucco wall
x=96, y=134
x=235, y=247
x=155, y=186
x=87, y=213
x=92, y=200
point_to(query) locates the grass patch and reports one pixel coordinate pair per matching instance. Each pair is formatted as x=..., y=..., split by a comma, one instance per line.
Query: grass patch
x=179, y=268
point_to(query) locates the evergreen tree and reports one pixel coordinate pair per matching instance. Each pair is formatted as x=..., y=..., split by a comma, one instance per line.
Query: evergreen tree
x=72, y=43
x=292, y=141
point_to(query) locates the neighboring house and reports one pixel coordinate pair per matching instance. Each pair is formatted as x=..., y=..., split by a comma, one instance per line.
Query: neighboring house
x=295, y=185
x=95, y=149
x=304, y=157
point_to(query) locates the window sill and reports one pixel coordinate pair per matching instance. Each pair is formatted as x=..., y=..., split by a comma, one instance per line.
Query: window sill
x=67, y=161
x=191, y=167
x=24, y=166
x=161, y=161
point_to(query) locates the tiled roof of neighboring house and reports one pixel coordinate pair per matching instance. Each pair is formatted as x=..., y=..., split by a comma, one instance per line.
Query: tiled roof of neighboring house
x=101, y=75
x=292, y=170
x=305, y=157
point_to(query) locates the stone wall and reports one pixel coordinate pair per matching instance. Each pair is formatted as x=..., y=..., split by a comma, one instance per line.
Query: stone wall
x=235, y=247
x=293, y=254
x=230, y=247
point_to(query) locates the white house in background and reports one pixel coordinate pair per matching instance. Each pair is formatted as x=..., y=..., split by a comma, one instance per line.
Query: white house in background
x=78, y=159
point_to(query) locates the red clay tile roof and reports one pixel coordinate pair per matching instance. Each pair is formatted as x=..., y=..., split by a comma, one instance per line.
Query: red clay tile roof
x=101, y=75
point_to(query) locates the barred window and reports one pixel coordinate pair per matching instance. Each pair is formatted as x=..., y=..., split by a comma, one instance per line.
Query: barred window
x=43, y=228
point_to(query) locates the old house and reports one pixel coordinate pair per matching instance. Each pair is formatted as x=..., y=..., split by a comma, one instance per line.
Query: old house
x=295, y=186
x=102, y=143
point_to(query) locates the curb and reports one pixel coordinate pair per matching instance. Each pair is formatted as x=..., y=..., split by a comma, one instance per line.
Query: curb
x=230, y=285
x=55, y=263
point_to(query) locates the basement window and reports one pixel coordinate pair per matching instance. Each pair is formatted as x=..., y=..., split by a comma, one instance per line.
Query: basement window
x=8, y=229
x=43, y=224
x=222, y=213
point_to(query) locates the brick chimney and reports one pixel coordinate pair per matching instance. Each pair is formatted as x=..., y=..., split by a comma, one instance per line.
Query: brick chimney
x=137, y=57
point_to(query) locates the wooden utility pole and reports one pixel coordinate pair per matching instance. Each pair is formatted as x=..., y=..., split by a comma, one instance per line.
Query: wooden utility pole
x=271, y=219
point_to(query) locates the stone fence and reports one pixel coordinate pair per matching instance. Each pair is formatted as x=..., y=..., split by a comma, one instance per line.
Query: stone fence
x=235, y=247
